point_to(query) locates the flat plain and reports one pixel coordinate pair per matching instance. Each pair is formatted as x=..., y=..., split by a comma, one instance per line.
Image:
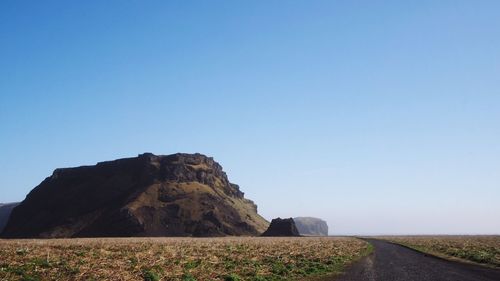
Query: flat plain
x=480, y=249
x=186, y=259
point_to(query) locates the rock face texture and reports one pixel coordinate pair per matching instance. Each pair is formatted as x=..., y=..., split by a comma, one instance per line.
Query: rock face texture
x=148, y=195
x=282, y=227
x=5, y=210
x=311, y=226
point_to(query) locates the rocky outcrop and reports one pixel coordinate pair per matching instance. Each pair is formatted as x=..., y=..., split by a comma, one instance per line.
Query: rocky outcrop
x=148, y=195
x=311, y=226
x=5, y=210
x=282, y=227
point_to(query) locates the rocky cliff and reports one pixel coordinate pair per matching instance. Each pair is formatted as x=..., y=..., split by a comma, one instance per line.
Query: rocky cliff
x=311, y=226
x=282, y=227
x=5, y=211
x=148, y=195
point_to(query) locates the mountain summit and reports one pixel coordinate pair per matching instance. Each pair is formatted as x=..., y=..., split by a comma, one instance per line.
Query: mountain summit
x=148, y=195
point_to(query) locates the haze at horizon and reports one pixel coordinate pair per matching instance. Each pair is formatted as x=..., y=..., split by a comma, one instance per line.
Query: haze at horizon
x=381, y=118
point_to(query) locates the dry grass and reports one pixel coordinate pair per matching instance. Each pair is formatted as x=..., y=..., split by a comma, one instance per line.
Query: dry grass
x=187, y=259
x=478, y=249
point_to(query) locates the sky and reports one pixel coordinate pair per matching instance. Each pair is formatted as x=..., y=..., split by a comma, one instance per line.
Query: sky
x=381, y=117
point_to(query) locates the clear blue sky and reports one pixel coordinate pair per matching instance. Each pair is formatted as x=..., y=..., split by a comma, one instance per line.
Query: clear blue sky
x=378, y=116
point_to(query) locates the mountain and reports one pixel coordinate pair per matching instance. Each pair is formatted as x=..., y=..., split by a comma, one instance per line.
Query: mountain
x=282, y=227
x=5, y=210
x=148, y=195
x=311, y=226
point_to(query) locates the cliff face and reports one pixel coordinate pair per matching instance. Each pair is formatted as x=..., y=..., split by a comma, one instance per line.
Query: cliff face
x=5, y=211
x=149, y=195
x=282, y=227
x=311, y=226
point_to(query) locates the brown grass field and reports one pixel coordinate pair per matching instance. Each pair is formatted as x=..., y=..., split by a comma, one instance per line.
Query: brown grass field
x=186, y=259
x=478, y=249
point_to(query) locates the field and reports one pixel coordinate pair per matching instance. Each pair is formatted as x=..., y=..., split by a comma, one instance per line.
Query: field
x=186, y=259
x=478, y=249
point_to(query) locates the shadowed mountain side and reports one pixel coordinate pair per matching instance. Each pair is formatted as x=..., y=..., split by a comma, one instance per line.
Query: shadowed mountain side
x=148, y=195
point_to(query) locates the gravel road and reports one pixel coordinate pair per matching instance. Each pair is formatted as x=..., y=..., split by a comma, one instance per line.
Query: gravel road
x=391, y=262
